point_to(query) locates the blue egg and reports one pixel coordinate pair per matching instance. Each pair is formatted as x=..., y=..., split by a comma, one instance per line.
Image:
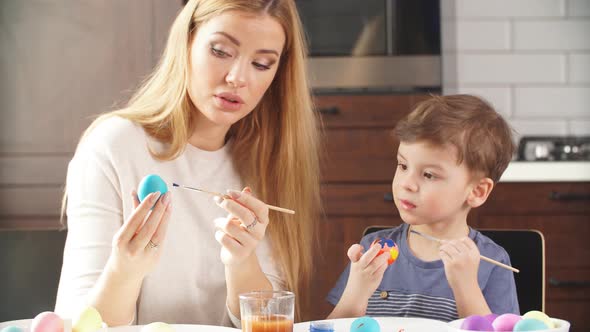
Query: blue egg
x=530, y=324
x=12, y=328
x=365, y=324
x=149, y=184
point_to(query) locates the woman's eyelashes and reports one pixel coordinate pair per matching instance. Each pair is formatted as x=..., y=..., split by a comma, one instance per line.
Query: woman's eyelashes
x=260, y=66
x=217, y=52
x=402, y=166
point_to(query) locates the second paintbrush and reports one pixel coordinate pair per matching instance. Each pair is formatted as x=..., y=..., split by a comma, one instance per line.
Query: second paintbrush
x=489, y=260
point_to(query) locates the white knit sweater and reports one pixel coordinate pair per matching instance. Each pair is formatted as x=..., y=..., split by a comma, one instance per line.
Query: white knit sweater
x=188, y=284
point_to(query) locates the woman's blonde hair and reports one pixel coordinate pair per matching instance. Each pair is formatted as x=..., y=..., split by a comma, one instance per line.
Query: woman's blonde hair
x=275, y=146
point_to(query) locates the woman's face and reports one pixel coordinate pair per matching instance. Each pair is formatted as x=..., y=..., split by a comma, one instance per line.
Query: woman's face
x=234, y=58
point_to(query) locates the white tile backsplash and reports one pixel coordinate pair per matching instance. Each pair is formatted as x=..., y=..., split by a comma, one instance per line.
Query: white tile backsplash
x=579, y=68
x=578, y=8
x=539, y=128
x=561, y=35
x=580, y=127
x=483, y=35
x=449, y=71
x=509, y=8
x=529, y=58
x=500, y=98
x=553, y=102
x=511, y=68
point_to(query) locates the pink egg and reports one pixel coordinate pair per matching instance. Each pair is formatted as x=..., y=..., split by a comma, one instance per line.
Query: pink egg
x=47, y=322
x=490, y=317
x=476, y=323
x=505, y=322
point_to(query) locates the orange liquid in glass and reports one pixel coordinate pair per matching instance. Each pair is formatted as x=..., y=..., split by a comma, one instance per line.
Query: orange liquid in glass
x=274, y=323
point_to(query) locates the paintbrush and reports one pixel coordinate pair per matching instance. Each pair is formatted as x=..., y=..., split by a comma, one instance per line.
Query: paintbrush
x=213, y=193
x=489, y=260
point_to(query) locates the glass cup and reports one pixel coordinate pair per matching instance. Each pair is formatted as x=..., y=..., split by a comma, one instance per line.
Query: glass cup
x=267, y=311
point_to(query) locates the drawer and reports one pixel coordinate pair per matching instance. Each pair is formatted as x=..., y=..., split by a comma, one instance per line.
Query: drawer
x=353, y=200
x=566, y=236
x=539, y=198
x=359, y=155
x=568, y=284
x=575, y=312
x=349, y=111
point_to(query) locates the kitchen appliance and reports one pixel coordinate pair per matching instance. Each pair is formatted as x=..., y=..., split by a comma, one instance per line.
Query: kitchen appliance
x=373, y=44
x=554, y=148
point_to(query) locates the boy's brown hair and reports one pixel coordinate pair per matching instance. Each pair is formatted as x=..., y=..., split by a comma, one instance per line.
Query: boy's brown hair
x=482, y=137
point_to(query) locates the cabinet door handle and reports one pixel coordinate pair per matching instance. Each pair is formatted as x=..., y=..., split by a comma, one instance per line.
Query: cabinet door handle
x=568, y=283
x=329, y=110
x=557, y=196
x=388, y=197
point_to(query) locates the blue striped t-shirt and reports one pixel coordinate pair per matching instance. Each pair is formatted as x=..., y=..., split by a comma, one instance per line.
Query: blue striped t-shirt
x=415, y=288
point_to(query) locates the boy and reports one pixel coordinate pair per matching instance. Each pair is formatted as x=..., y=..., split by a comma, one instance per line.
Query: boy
x=452, y=151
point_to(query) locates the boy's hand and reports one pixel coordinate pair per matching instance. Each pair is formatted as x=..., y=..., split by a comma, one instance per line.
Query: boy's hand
x=366, y=273
x=366, y=270
x=461, y=260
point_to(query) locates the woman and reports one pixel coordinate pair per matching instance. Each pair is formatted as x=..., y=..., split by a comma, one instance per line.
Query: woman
x=227, y=106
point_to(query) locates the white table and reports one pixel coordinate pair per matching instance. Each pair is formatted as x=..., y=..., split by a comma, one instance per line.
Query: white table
x=387, y=324
x=26, y=323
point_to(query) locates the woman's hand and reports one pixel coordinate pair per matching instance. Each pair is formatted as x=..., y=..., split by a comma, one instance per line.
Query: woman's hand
x=241, y=231
x=135, y=246
x=461, y=260
x=134, y=254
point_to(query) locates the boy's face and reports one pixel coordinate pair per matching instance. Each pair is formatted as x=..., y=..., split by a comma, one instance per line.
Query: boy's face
x=429, y=186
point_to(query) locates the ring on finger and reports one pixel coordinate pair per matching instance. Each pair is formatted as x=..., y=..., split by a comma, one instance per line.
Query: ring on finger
x=249, y=227
x=152, y=245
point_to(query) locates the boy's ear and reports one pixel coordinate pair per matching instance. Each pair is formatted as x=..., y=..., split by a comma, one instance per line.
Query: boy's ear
x=480, y=192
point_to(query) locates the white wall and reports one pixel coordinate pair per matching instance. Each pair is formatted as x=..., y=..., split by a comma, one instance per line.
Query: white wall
x=530, y=58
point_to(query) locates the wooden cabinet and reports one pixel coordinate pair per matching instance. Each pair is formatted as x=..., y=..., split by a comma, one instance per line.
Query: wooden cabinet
x=561, y=211
x=65, y=62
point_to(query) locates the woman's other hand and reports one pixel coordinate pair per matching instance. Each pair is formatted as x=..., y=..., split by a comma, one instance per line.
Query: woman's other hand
x=241, y=231
x=136, y=245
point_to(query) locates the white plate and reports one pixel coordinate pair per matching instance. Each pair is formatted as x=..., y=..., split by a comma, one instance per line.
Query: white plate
x=177, y=328
x=560, y=326
x=388, y=324
x=26, y=323
x=22, y=323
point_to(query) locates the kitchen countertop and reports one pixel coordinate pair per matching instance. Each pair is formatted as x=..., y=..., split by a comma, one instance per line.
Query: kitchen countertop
x=547, y=171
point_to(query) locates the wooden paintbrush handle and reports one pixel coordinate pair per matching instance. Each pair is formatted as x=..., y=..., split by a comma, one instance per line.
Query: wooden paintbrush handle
x=270, y=207
x=489, y=260
x=280, y=209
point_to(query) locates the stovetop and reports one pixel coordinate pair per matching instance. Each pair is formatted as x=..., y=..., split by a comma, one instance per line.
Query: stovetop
x=554, y=148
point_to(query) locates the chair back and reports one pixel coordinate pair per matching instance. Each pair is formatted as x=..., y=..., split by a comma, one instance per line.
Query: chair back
x=526, y=248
